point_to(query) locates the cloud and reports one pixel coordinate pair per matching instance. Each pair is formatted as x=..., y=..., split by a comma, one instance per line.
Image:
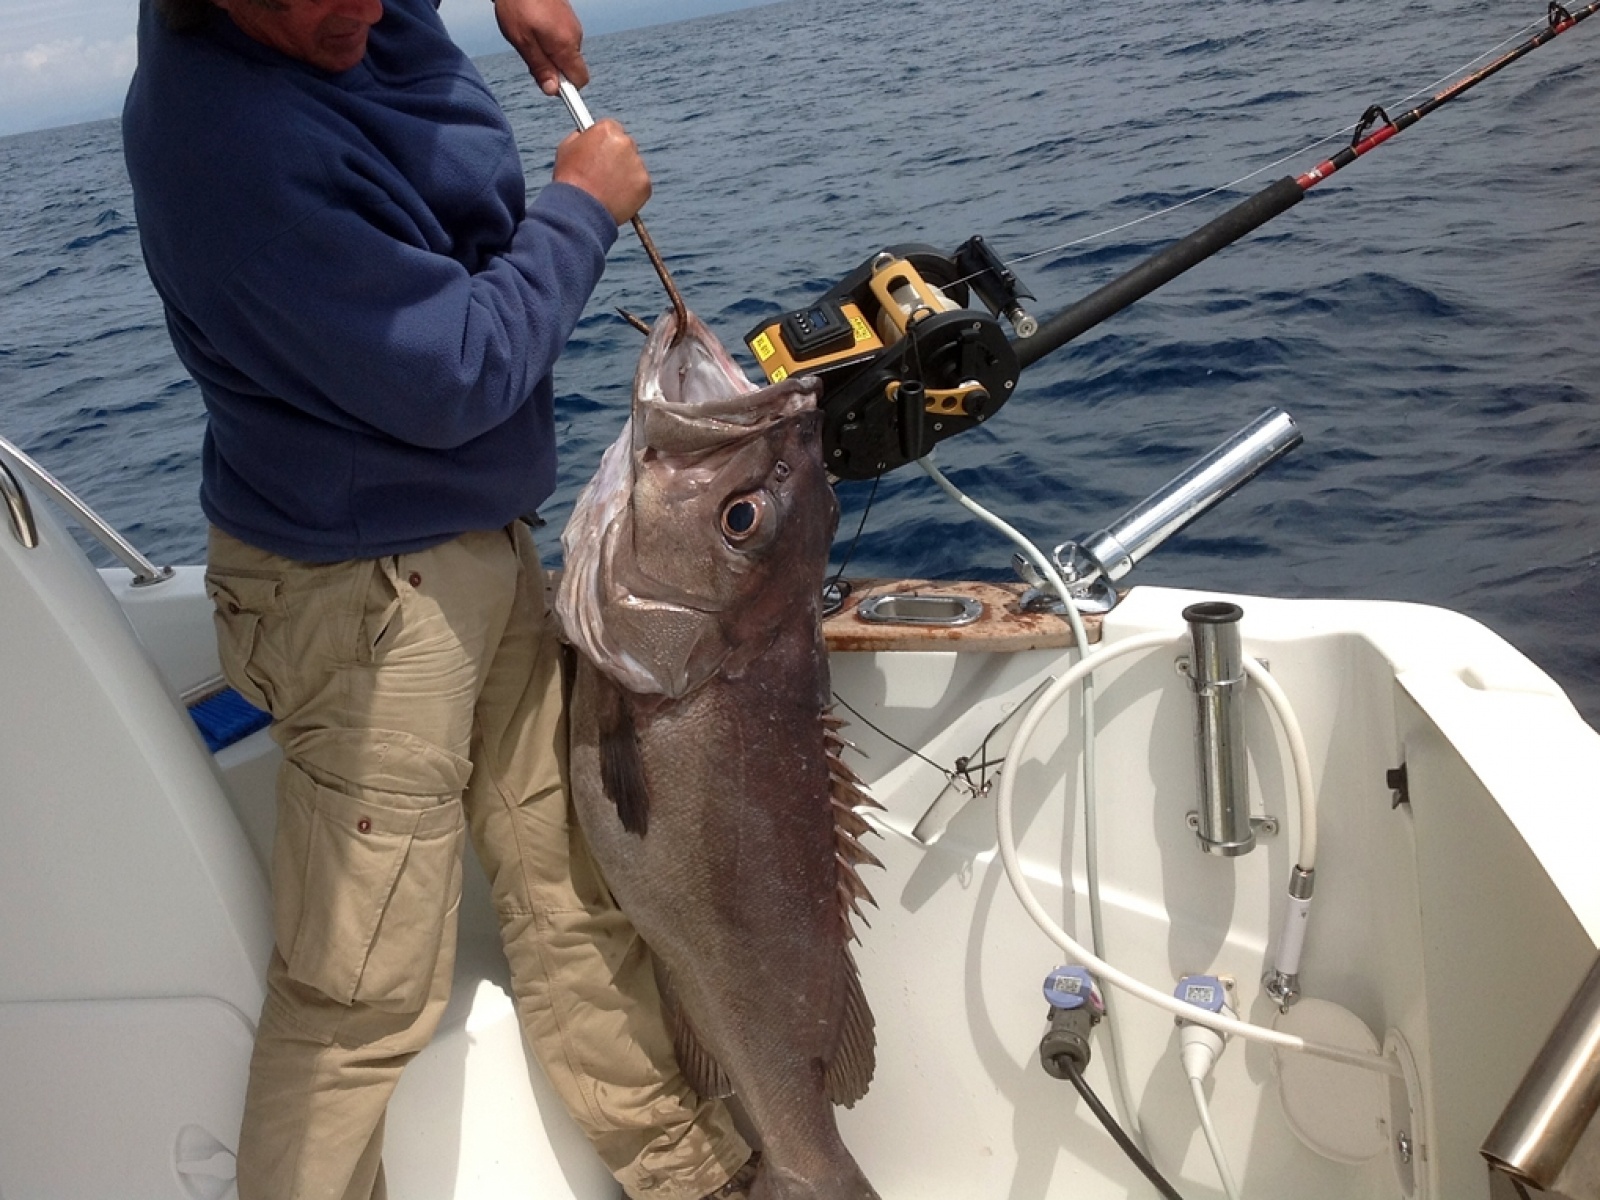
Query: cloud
x=63, y=80
x=50, y=74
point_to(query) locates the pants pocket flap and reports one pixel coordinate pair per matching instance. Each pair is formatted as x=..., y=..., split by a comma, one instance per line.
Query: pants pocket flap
x=244, y=593
x=412, y=770
x=362, y=891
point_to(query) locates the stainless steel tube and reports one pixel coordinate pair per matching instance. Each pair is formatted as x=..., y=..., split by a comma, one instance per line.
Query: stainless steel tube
x=1216, y=676
x=1216, y=476
x=144, y=571
x=21, y=512
x=1536, y=1137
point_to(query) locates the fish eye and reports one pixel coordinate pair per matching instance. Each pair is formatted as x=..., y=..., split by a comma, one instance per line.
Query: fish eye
x=742, y=517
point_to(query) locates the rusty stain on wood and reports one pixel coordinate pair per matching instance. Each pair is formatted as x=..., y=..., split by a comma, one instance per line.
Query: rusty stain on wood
x=1002, y=629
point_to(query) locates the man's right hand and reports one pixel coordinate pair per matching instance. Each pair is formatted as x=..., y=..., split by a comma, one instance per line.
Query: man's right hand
x=549, y=37
x=604, y=162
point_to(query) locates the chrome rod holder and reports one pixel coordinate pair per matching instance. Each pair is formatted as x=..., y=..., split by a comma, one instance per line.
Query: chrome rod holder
x=144, y=571
x=1090, y=567
x=1217, y=679
x=23, y=525
x=1547, y=1137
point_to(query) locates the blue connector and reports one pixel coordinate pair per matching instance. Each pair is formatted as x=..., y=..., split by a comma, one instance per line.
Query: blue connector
x=1076, y=1007
x=1203, y=991
x=1072, y=988
x=1200, y=1046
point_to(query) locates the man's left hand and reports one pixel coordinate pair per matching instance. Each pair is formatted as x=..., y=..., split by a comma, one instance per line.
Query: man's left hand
x=549, y=36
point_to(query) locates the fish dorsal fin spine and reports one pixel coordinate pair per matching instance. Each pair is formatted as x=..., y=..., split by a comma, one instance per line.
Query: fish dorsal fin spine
x=854, y=1058
x=848, y=794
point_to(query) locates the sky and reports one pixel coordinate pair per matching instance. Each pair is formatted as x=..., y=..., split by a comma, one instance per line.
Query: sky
x=65, y=61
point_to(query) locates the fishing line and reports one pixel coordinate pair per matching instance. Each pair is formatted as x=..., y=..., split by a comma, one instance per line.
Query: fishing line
x=1263, y=169
x=961, y=772
x=894, y=741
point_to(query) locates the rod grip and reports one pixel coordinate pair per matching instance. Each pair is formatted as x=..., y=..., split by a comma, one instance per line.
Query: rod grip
x=1160, y=268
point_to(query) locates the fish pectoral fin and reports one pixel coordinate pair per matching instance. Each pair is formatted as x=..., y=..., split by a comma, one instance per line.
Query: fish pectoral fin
x=621, y=763
x=855, y=1058
x=704, y=1073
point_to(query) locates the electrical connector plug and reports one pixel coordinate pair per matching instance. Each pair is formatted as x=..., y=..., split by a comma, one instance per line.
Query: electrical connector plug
x=1076, y=1007
x=1201, y=1046
x=1072, y=988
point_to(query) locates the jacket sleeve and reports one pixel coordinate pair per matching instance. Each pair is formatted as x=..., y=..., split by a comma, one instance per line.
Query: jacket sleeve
x=338, y=316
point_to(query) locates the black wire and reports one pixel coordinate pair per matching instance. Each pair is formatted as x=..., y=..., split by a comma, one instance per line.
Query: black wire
x=856, y=541
x=1147, y=1167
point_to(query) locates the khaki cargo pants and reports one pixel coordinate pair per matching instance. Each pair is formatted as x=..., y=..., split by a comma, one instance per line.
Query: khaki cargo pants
x=417, y=698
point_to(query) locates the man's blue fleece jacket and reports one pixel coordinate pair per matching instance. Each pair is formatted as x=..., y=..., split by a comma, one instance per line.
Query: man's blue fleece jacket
x=353, y=276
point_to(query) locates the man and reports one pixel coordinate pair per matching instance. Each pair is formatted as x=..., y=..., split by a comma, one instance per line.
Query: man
x=332, y=209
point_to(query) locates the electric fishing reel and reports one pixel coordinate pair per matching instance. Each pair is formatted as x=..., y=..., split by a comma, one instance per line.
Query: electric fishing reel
x=904, y=361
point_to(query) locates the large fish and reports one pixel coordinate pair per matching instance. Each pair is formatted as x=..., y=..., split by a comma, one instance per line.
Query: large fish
x=706, y=766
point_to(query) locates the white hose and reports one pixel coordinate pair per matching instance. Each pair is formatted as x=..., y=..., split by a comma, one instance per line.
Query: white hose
x=1306, y=854
x=1197, y=1088
x=1091, y=834
x=1097, y=965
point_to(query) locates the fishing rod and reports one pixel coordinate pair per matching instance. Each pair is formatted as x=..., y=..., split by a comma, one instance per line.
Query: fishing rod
x=905, y=363
x=1271, y=201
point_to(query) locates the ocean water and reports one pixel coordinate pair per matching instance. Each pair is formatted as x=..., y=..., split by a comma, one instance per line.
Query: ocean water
x=1428, y=316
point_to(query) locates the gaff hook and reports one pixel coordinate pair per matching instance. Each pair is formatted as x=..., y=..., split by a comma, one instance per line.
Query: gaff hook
x=581, y=118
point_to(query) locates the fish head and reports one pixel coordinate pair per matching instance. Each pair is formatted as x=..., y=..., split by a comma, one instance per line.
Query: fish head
x=708, y=525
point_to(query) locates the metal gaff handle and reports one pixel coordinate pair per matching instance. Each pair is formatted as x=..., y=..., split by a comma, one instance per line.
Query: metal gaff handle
x=582, y=118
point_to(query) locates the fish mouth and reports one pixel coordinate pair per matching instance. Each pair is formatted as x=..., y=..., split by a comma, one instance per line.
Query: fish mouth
x=690, y=396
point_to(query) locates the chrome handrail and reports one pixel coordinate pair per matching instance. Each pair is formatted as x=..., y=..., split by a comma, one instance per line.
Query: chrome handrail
x=17, y=505
x=144, y=571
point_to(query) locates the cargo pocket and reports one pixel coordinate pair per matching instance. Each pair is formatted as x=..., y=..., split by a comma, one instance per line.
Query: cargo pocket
x=240, y=605
x=362, y=890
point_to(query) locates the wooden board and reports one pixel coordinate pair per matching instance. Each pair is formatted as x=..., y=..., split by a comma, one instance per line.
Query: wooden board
x=1003, y=627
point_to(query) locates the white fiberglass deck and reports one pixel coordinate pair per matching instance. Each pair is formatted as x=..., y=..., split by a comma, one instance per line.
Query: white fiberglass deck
x=1456, y=923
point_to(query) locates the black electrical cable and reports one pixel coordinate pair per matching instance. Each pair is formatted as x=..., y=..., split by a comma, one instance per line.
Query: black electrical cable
x=838, y=576
x=1118, y=1134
